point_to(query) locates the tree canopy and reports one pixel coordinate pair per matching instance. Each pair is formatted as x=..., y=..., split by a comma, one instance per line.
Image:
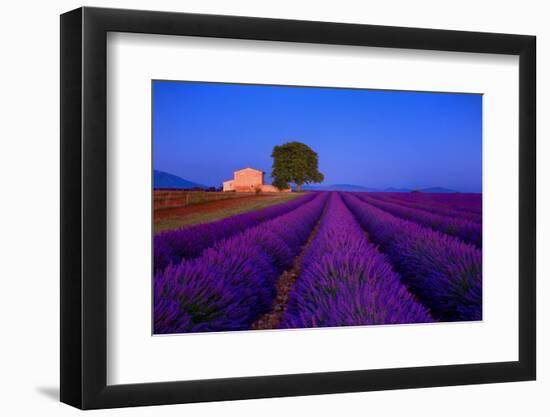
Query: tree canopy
x=295, y=162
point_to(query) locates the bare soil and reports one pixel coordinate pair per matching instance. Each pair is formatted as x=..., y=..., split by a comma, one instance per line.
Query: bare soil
x=207, y=207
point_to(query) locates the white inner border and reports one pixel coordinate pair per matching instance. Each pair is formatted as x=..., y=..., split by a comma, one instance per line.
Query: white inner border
x=134, y=356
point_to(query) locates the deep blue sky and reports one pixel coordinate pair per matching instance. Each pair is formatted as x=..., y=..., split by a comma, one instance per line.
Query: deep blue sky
x=203, y=132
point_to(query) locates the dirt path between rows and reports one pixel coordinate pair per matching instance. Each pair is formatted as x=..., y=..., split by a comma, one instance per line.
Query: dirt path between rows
x=285, y=282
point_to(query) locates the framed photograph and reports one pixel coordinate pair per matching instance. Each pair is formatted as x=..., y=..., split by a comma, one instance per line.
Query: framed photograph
x=257, y=208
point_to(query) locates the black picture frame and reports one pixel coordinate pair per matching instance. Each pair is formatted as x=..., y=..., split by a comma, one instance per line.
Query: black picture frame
x=84, y=207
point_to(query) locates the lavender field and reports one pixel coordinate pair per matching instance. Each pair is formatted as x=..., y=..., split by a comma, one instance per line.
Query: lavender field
x=324, y=259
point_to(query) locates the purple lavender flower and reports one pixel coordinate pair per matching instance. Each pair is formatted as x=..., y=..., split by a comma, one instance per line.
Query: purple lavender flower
x=232, y=283
x=468, y=231
x=170, y=247
x=345, y=281
x=441, y=270
x=429, y=205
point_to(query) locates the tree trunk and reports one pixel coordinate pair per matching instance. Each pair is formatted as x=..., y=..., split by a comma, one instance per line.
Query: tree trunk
x=298, y=188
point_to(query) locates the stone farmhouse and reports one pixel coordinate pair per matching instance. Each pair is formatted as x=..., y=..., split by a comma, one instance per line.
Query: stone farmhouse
x=248, y=180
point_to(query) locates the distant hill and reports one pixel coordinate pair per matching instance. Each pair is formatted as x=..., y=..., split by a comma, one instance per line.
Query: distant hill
x=361, y=188
x=437, y=190
x=422, y=190
x=397, y=190
x=337, y=187
x=166, y=180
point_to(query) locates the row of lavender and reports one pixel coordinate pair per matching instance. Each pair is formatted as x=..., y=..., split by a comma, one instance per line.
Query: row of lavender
x=432, y=205
x=460, y=202
x=422, y=275
x=171, y=247
x=466, y=230
x=231, y=284
x=442, y=271
x=345, y=281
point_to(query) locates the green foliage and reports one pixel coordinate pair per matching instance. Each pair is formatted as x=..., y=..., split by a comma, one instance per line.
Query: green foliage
x=295, y=162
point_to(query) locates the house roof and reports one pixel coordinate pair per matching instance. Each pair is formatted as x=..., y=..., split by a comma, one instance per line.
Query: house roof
x=249, y=169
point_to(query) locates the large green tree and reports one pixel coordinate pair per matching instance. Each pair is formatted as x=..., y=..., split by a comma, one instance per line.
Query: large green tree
x=295, y=162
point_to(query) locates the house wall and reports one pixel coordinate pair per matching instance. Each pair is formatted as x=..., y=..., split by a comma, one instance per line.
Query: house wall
x=228, y=186
x=248, y=179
